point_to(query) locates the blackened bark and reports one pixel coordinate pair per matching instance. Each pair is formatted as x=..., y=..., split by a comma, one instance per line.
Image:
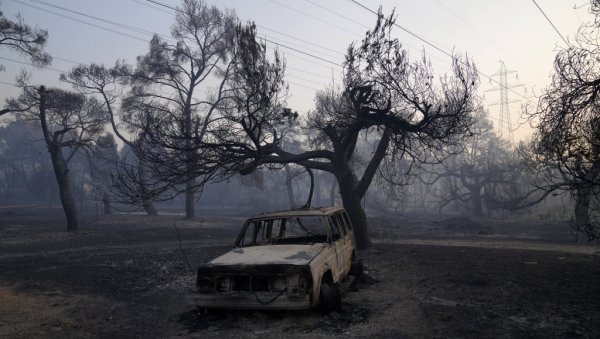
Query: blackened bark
x=61, y=171
x=352, y=203
x=190, y=211
x=60, y=167
x=353, y=190
x=106, y=203
x=351, y=199
x=582, y=206
x=147, y=202
x=190, y=200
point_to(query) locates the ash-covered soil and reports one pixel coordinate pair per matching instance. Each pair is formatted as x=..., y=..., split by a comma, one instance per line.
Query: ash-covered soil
x=128, y=276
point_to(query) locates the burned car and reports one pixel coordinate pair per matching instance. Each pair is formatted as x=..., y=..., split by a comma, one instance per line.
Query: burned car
x=295, y=259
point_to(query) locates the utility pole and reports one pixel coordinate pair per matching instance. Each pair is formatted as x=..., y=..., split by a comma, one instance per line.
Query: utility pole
x=504, y=127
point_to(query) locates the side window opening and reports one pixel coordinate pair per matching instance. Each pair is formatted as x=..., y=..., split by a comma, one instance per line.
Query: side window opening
x=303, y=230
x=335, y=228
x=342, y=224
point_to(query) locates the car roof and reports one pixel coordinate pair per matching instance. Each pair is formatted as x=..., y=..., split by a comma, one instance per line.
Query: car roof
x=323, y=211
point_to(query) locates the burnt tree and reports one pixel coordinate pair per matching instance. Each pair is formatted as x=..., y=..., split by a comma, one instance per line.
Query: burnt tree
x=179, y=85
x=566, y=145
x=486, y=173
x=384, y=92
x=68, y=123
x=25, y=40
x=108, y=84
x=567, y=141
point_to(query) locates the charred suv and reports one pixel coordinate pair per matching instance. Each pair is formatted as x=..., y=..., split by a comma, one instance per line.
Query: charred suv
x=283, y=261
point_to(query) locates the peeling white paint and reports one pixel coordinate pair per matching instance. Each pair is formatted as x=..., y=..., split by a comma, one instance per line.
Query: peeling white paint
x=291, y=254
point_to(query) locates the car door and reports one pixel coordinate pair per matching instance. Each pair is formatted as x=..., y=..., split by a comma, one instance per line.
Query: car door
x=346, y=242
x=340, y=246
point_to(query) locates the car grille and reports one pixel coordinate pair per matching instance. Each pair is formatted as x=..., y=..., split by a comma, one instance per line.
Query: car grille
x=251, y=283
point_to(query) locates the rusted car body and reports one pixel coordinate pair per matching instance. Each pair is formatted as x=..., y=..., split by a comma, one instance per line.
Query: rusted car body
x=287, y=260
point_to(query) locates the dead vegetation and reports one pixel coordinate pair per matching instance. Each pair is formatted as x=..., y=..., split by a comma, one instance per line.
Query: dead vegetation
x=126, y=276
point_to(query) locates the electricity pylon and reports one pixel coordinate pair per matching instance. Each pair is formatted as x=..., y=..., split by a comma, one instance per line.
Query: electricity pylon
x=504, y=128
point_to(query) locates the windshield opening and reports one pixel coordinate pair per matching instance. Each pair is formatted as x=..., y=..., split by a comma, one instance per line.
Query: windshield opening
x=288, y=230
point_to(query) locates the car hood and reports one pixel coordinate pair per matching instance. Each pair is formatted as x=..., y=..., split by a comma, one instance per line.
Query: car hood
x=270, y=254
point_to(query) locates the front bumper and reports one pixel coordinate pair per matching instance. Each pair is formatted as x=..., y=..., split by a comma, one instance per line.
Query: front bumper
x=243, y=300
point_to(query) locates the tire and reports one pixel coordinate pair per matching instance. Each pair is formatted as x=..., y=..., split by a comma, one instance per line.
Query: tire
x=331, y=298
x=356, y=268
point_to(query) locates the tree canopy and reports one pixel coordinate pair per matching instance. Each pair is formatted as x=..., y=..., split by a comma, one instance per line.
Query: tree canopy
x=384, y=92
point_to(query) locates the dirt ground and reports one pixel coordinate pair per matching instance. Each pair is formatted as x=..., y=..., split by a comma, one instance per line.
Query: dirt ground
x=125, y=276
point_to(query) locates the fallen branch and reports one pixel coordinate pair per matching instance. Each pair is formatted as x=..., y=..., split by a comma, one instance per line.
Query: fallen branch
x=181, y=248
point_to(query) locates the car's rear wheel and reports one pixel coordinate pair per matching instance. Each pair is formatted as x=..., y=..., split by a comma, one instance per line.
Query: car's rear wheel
x=331, y=298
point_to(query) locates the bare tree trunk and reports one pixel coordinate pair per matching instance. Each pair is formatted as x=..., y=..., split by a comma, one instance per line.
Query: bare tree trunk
x=147, y=202
x=582, y=206
x=190, y=210
x=60, y=167
x=352, y=203
x=61, y=171
x=106, y=203
x=290, y=186
x=358, y=217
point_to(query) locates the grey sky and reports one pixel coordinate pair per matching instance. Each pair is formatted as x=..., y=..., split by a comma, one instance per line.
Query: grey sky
x=514, y=31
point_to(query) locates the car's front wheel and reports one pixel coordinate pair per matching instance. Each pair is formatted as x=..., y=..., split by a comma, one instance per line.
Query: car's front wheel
x=331, y=298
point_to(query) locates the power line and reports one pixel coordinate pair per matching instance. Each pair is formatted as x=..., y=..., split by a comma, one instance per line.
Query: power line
x=30, y=64
x=436, y=48
x=140, y=2
x=8, y=83
x=141, y=30
x=110, y=22
x=337, y=13
x=132, y=28
x=312, y=62
x=304, y=79
x=305, y=53
x=314, y=17
x=299, y=39
x=279, y=44
x=364, y=26
x=259, y=26
x=551, y=23
x=136, y=29
x=66, y=60
x=307, y=72
x=474, y=29
x=299, y=46
x=82, y=21
x=406, y=30
x=300, y=85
